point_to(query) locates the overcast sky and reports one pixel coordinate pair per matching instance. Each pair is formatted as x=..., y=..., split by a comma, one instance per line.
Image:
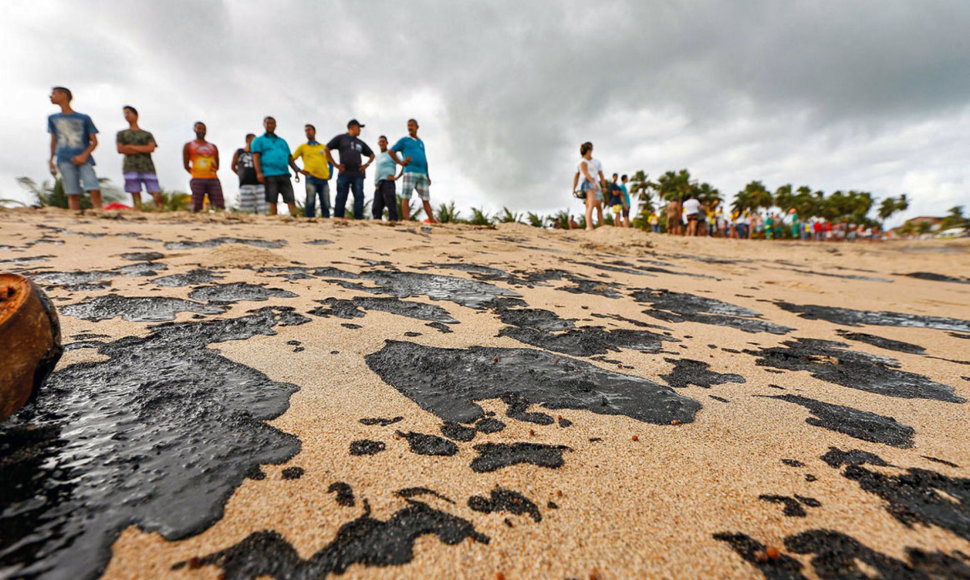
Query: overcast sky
x=865, y=95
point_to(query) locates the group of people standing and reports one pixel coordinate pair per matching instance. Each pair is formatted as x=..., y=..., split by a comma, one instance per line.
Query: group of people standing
x=590, y=185
x=262, y=166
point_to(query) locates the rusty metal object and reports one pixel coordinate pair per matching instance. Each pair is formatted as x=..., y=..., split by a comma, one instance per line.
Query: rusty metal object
x=30, y=341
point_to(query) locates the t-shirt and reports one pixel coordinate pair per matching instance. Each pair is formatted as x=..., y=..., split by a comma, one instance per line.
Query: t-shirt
x=246, y=167
x=314, y=156
x=274, y=154
x=202, y=160
x=691, y=206
x=72, y=133
x=593, y=166
x=413, y=148
x=385, y=167
x=136, y=162
x=351, y=149
x=626, y=193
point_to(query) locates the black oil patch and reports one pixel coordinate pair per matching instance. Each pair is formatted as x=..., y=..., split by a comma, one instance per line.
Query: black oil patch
x=809, y=501
x=886, y=343
x=423, y=444
x=694, y=372
x=835, y=457
x=862, y=425
x=447, y=382
x=348, y=309
x=345, y=493
x=721, y=399
x=275, y=244
x=793, y=463
x=470, y=293
x=136, y=308
x=831, y=362
x=836, y=555
x=380, y=421
x=142, y=256
x=913, y=497
x=505, y=500
x=793, y=509
x=409, y=492
x=518, y=409
x=545, y=329
x=351, y=326
x=366, y=447
x=237, y=292
x=82, y=279
x=681, y=307
x=191, y=278
x=142, y=269
x=293, y=473
x=634, y=322
x=563, y=422
x=940, y=461
x=365, y=540
x=958, y=335
x=458, y=432
x=493, y=456
x=159, y=436
x=25, y=259
x=844, y=276
x=628, y=268
x=784, y=568
x=848, y=317
x=489, y=425
x=318, y=243
x=934, y=277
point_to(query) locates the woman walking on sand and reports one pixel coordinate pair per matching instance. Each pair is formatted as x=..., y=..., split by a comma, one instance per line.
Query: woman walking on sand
x=590, y=188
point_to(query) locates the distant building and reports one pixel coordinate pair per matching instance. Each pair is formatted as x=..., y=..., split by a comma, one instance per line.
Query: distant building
x=933, y=221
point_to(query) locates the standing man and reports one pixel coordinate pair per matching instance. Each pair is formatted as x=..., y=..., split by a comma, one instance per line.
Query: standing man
x=692, y=208
x=252, y=194
x=316, y=168
x=415, y=168
x=73, y=138
x=351, y=171
x=629, y=204
x=201, y=159
x=271, y=155
x=384, y=194
x=675, y=225
x=137, y=146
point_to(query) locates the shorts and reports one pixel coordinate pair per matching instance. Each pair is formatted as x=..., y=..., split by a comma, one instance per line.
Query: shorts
x=617, y=207
x=75, y=176
x=415, y=181
x=252, y=198
x=626, y=212
x=588, y=186
x=203, y=186
x=134, y=181
x=692, y=217
x=277, y=185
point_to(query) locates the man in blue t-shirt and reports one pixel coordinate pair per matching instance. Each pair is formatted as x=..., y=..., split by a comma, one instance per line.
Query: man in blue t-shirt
x=271, y=155
x=415, y=165
x=73, y=138
x=384, y=195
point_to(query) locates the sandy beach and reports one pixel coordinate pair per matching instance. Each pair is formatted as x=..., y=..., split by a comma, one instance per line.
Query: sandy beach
x=251, y=397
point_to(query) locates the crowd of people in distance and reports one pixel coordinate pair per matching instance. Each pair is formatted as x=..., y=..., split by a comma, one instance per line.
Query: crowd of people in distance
x=590, y=185
x=262, y=166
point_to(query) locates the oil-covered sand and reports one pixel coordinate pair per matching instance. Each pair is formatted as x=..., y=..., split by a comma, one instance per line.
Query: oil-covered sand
x=249, y=397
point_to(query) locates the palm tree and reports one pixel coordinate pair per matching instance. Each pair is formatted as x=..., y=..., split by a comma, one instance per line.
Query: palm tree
x=783, y=198
x=673, y=185
x=447, y=213
x=707, y=194
x=642, y=187
x=560, y=219
x=891, y=205
x=535, y=220
x=480, y=217
x=509, y=217
x=754, y=196
x=954, y=218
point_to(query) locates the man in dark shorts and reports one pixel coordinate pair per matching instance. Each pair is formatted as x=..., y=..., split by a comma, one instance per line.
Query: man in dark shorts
x=201, y=159
x=384, y=190
x=73, y=138
x=252, y=193
x=271, y=155
x=351, y=171
x=138, y=169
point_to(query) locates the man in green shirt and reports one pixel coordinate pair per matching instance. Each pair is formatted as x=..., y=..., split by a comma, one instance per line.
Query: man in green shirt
x=137, y=146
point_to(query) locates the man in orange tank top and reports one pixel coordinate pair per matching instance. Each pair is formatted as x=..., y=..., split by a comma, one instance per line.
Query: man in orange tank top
x=201, y=160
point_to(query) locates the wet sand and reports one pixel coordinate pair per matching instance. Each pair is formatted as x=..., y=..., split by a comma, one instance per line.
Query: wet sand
x=248, y=396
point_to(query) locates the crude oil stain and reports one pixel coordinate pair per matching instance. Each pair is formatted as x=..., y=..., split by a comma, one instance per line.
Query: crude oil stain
x=159, y=435
x=422, y=444
x=237, y=292
x=366, y=447
x=354, y=308
x=470, y=293
x=292, y=473
x=853, y=422
x=505, y=500
x=694, y=372
x=793, y=509
x=409, y=492
x=681, y=307
x=447, y=382
x=345, y=494
x=848, y=317
x=493, y=456
x=457, y=432
x=225, y=240
x=136, y=308
x=886, y=343
x=366, y=540
x=380, y=421
x=831, y=362
x=190, y=278
x=143, y=256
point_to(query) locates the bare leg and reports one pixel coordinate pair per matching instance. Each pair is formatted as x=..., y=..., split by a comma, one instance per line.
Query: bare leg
x=405, y=209
x=159, y=200
x=272, y=208
x=292, y=207
x=74, y=202
x=136, y=199
x=95, y=198
x=599, y=212
x=617, y=219
x=429, y=211
x=589, y=211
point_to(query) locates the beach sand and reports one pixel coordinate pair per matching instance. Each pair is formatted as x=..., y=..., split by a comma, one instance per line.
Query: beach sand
x=671, y=413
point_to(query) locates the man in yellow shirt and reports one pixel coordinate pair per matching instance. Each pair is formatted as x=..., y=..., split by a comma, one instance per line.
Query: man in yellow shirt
x=316, y=168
